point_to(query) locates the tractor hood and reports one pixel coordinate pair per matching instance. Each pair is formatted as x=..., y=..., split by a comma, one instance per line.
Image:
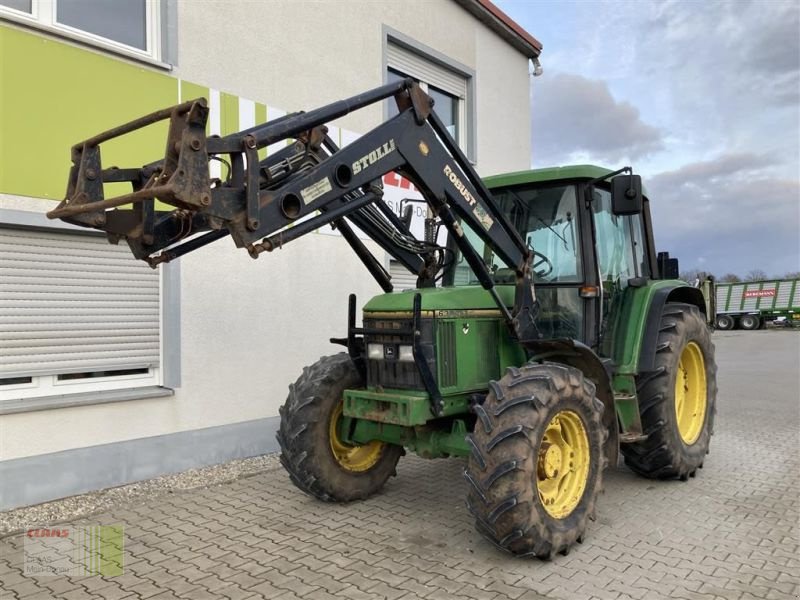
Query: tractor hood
x=471, y=297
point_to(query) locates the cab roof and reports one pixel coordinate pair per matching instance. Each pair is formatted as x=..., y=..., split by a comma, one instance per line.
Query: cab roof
x=570, y=172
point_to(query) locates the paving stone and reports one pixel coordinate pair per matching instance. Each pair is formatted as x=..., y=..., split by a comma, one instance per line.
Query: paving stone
x=731, y=532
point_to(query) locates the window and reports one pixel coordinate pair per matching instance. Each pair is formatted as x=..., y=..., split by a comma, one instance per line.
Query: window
x=131, y=27
x=619, y=254
x=449, y=84
x=637, y=227
x=615, y=255
x=546, y=218
x=77, y=315
x=446, y=105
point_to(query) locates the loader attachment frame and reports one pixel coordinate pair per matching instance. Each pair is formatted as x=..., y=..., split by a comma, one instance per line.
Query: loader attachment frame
x=265, y=204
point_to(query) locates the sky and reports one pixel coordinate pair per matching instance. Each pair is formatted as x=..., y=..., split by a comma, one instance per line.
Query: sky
x=702, y=98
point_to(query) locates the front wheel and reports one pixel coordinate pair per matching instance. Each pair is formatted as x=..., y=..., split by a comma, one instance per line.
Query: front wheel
x=537, y=460
x=318, y=460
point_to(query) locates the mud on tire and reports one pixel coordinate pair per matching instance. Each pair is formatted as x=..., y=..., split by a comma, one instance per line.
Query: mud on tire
x=665, y=454
x=503, y=494
x=305, y=435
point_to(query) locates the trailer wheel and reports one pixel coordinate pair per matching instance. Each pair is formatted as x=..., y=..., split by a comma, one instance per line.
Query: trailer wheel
x=537, y=460
x=749, y=322
x=677, y=400
x=319, y=462
x=725, y=322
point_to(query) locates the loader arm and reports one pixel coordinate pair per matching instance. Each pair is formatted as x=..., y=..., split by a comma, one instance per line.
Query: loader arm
x=264, y=204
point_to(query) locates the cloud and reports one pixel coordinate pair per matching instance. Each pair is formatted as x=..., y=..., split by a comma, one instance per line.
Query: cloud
x=731, y=211
x=702, y=97
x=722, y=167
x=578, y=117
x=742, y=55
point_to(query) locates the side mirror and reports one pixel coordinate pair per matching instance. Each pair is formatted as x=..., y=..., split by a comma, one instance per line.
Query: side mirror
x=626, y=195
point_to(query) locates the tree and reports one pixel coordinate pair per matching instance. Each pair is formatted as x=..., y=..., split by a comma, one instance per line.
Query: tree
x=792, y=275
x=693, y=275
x=756, y=275
x=729, y=278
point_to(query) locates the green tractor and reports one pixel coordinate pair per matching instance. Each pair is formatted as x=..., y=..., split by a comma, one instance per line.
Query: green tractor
x=544, y=336
x=625, y=362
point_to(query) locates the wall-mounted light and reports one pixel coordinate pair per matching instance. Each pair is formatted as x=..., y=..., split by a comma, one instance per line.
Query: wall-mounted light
x=537, y=67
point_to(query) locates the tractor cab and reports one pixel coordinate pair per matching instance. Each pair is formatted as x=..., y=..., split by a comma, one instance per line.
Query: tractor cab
x=586, y=253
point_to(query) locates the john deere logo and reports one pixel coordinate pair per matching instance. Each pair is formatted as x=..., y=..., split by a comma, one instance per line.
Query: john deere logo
x=423, y=148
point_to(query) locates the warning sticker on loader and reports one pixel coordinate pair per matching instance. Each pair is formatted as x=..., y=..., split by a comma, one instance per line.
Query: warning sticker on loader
x=312, y=192
x=483, y=217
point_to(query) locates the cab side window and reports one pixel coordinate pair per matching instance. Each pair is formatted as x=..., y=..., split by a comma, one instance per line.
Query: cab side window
x=615, y=243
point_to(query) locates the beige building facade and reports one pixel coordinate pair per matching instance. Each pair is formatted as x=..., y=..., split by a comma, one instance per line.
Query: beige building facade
x=111, y=372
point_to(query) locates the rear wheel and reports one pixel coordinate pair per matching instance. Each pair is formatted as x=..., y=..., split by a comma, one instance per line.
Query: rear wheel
x=749, y=322
x=725, y=322
x=677, y=400
x=318, y=460
x=537, y=459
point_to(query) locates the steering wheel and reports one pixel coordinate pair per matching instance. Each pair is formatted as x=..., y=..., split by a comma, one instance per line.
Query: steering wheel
x=540, y=259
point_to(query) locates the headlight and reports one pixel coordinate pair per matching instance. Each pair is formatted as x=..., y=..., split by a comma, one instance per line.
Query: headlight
x=375, y=351
x=406, y=354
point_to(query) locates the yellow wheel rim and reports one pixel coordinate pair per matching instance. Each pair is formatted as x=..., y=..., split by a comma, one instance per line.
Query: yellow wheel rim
x=563, y=464
x=690, y=393
x=352, y=458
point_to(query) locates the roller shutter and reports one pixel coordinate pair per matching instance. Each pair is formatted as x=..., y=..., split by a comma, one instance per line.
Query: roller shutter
x=402, y=278
x=424, y=69
x=72, y=303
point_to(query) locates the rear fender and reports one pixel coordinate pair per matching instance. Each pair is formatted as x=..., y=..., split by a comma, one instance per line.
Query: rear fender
x=679, y=293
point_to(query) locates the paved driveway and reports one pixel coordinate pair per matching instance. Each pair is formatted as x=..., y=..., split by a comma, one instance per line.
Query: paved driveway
x=732, y=532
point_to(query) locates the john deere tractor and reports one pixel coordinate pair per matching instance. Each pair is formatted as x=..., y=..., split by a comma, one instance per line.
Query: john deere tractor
x=544, y=335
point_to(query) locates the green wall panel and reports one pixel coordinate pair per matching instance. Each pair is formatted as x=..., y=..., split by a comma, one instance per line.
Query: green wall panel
x=261, y=117
x=53, y=95
x=192, y=91
x=229, y=113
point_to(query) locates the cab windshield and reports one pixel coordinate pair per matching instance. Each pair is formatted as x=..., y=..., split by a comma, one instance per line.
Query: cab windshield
x=546, y=218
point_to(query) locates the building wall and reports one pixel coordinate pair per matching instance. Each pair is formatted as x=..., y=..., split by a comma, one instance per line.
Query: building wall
x=503, y=106
x=309, y=53
x=247, y=327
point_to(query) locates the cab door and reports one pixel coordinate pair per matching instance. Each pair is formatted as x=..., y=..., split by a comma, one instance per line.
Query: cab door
x=620, y=248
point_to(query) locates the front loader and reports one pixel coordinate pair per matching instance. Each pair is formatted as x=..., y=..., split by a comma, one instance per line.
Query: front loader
x=543, y=337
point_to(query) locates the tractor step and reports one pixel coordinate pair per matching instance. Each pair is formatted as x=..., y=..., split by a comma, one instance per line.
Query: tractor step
x=632, y=438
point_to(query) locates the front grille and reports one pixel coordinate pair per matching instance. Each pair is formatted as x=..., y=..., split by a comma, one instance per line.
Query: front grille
x=390, y=373
x=448, y=375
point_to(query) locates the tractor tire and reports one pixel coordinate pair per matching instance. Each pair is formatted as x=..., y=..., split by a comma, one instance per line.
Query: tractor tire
x=537, y=460
x=725, y=322
x=677, y=400
x=318, y=462
x=749, y=322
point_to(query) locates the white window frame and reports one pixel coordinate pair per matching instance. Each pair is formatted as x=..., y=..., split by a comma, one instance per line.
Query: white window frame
x=466, y=105
x=461, y=112
x=49, y=385
x=43, y=16
x=47, y=391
